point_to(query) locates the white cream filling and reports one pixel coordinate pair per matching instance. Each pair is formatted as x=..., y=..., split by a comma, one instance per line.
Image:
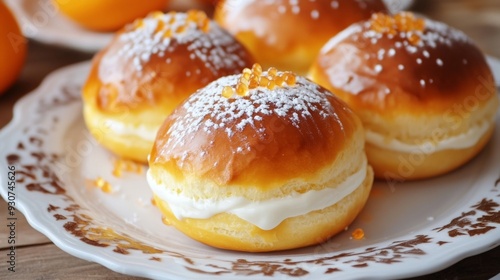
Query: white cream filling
x=126, y=129
x=264, y=214
x=461, y=141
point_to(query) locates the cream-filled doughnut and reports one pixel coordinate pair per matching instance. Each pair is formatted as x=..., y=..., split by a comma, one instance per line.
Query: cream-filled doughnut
x=423, y=90
x=149, y=68
x=253, y=159
x=288, y=34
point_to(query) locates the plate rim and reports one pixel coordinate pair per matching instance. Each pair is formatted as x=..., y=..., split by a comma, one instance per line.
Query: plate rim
x=45, y=35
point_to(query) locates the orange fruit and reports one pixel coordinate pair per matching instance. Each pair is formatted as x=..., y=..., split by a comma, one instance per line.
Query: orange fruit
x=12, y=48
x=107, y=15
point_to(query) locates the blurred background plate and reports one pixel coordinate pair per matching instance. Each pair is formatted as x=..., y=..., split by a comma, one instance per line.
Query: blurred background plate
x=398, y=5
x=40, y=20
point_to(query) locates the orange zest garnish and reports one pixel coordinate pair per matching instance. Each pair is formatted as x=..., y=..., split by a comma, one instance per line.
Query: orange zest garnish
x=200, y=18
x=120, y=165
x=172, y=17
x=402, y=22
x=103, y=185
x=253, y=78
x=165, y=22
x=227, y=92
x=358, y=234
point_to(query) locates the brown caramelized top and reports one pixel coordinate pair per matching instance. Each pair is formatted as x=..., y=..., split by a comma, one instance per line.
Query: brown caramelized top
x=157, y=61
x=288, y=34
x=257, y=139
x=403, y=63
x=155, y=33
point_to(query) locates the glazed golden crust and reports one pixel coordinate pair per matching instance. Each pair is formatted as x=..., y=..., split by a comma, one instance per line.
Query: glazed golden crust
x=148, y=69
x=131, y=75
x=389, y=76
x=416, y=83
x=262, y=154
x=286, y=35
x=228, y=157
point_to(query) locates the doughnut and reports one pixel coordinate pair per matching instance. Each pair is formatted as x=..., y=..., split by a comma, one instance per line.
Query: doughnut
x=288, y=34
x=256, y=158
x=184, y=5
x=149, y=68
x=423, y=90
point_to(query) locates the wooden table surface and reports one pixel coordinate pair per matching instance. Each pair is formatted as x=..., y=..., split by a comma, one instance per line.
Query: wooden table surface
x=39, y=258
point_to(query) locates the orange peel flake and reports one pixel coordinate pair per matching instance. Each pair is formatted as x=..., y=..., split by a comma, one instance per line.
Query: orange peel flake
x=358, y=234
x=196, y=17
x=103, y=185
x=253, y=78
x=402, y=22
x=121, y=165
x=227, y=92
x=200, y=18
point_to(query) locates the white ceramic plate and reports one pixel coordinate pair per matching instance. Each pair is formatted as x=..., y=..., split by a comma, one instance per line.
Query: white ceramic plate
x=411, y=228
x=41, y=21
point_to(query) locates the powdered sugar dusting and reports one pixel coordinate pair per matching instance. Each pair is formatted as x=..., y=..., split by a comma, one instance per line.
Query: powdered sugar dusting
x=417, y=43
x=158, y=34
x=208, y=110
x=435, y=33
x=401, y=43
x=298, y=7
x=315, y=14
